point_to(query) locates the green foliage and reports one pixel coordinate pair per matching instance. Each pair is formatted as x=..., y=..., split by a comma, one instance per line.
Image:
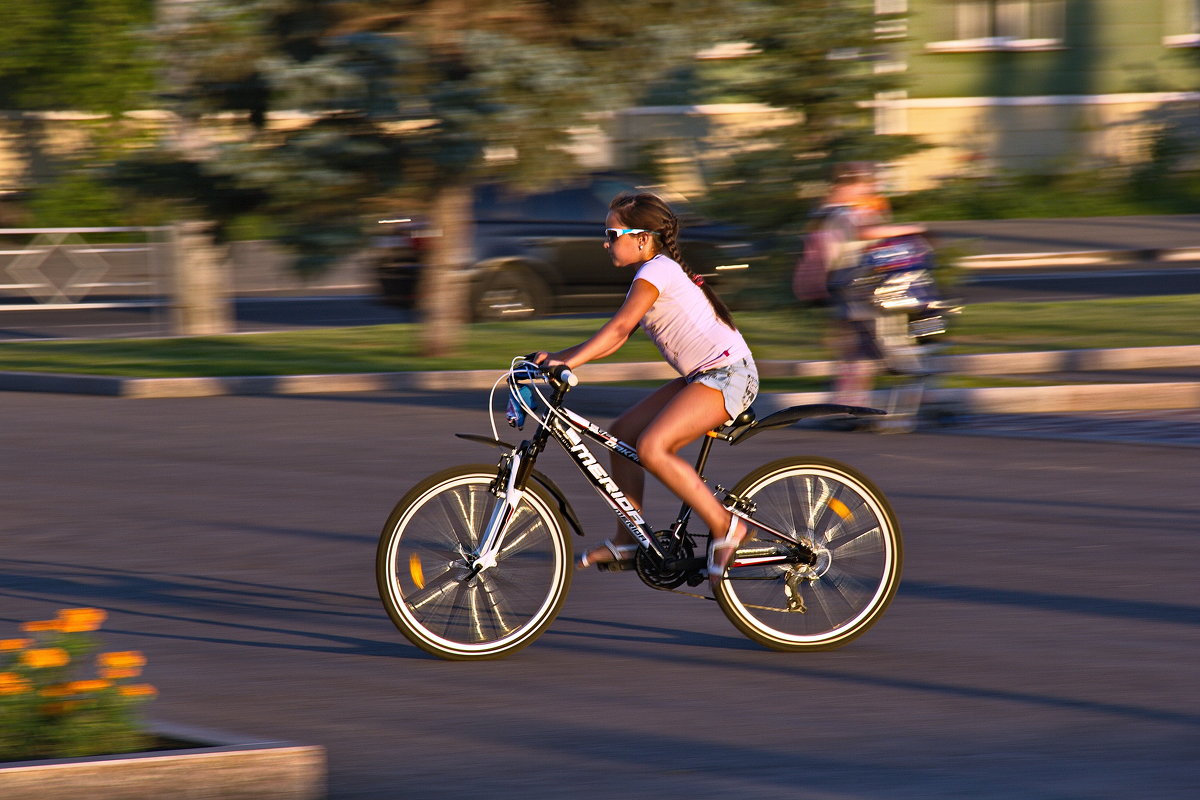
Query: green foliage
x=49, y=710
x=78, y=198
x=405, y=98
x=815, y=59
x=75, y=55
x=1147, y=190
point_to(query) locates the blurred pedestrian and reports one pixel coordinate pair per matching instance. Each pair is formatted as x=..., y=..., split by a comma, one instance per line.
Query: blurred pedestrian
x=850, y=216
x=695, y=333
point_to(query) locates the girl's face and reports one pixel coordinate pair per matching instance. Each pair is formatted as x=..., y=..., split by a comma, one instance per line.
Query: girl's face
x=627, y=250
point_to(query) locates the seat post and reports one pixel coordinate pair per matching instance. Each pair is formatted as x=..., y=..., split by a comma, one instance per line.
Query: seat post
x=702, y=457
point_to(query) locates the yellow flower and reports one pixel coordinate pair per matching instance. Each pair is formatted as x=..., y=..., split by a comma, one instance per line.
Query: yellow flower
x=40, y=625
x=81, y=620
x=45, y=657
x=7, y=645
x=56, y=690
x=126, y=659
x=138, y=690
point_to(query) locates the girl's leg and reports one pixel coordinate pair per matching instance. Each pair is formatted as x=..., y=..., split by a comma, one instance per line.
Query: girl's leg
x=692, y=412
x=629, y=476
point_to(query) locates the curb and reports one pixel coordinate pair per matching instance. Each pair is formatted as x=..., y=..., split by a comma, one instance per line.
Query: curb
x=988, y=400
x=219, y=766
x=1034, y=362
x=1039, y=399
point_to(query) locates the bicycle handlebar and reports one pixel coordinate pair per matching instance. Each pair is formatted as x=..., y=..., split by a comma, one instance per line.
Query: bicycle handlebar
x=560, y=373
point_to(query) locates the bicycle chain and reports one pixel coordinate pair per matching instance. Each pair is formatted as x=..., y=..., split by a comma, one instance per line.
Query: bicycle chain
x=747, y=605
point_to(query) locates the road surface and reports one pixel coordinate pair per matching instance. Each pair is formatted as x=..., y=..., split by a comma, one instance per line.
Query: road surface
x=1042, y=646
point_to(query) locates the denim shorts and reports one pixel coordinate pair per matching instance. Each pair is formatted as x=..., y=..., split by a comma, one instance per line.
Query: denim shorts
x=737, y=382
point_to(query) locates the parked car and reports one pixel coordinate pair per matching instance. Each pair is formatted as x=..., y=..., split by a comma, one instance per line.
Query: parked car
x=542, y=252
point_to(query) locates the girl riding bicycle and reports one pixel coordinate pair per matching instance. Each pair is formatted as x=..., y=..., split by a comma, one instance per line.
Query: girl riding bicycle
x=695, y=333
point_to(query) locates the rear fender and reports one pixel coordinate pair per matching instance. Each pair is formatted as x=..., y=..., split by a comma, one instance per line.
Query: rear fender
x=792, y=415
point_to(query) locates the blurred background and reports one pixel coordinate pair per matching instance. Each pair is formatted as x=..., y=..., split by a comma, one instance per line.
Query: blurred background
x=290, y=128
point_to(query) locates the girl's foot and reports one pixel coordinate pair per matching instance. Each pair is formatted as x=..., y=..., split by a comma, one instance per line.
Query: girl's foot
x=609, y=556
x=721, y=551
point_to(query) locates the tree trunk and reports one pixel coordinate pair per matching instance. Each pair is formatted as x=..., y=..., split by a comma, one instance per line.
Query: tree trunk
x=444, y=291
x=201, y=303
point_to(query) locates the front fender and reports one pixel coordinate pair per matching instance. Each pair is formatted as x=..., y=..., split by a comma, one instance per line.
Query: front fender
x=564, y=506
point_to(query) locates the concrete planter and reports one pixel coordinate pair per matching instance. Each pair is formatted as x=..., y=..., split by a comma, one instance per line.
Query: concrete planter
x=217, y=767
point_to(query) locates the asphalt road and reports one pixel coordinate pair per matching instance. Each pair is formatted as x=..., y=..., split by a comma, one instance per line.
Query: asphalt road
x=1043, y=644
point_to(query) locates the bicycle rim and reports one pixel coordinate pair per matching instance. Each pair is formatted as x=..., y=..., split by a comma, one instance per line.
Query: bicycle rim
x=859, y=556
x=428, y=588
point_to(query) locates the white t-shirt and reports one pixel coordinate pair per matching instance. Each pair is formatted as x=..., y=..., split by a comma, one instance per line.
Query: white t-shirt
x=682, y=323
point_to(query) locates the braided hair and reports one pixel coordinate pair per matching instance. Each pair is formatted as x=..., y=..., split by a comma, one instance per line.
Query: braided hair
x=650, y=212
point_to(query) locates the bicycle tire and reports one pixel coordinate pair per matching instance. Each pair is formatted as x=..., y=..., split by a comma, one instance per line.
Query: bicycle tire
x=860, y=556
x=425, y=583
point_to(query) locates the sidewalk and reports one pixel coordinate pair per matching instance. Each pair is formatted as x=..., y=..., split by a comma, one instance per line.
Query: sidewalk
x=1087, y=241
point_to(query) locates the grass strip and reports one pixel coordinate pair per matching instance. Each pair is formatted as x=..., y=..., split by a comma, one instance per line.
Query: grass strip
x=794, y=334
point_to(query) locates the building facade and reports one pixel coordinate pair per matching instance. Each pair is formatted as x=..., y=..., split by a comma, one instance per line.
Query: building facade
x=1038, y=85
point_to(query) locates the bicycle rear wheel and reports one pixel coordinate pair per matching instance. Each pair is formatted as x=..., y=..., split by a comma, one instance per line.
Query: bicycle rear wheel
x=429, y=588
x=850, y=527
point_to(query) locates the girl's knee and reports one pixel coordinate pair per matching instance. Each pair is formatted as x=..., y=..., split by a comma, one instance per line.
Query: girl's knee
x=653, y=451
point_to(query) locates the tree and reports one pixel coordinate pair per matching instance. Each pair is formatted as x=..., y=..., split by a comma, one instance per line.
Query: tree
x=409, y=103
x=414, y=101
x=815, y=60
x=71, y=55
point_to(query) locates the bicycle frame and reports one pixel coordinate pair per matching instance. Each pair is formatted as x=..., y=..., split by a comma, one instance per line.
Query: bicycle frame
x=571, y=430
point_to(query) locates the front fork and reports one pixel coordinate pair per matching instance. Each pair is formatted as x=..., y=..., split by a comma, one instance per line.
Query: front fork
x=508, y=496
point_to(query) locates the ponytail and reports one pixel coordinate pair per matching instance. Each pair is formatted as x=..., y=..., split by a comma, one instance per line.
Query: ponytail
x=650, y=212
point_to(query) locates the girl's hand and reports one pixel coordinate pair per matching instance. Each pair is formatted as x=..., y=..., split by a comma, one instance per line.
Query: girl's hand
x=547, y=361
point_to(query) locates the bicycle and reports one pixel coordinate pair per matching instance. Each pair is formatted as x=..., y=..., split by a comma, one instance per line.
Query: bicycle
x=475, y=561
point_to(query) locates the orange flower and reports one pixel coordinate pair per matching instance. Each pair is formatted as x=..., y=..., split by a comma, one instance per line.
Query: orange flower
x=74, y=688
x=40, y=625
x=42, y=657
x=12, y=683
x=117, y=673
x=126, y=659
x=83, y=687
x=7, y=645
x=81, y=620
x=138, y=690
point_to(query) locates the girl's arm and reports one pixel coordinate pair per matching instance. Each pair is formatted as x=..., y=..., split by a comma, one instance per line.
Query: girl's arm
x=612, y=334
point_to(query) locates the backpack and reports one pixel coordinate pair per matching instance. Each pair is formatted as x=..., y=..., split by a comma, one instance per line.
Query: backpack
x=824, y=250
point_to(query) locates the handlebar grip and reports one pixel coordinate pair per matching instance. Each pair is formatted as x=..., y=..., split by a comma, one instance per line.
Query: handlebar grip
x=563, y=373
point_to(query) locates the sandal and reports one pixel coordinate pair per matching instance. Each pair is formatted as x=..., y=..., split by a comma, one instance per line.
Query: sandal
x=622, y=557
x=716, y=570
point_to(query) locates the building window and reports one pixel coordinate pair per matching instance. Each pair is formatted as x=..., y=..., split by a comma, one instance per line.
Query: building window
x=1183, y=24
x=976, y=25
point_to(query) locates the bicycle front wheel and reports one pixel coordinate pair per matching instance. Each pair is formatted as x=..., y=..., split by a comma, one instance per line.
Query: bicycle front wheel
x=427, y=581
x=847, y=523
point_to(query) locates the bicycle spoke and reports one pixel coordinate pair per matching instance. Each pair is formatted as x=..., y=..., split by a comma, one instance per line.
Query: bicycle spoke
x=430, y=589
x=856, y=558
